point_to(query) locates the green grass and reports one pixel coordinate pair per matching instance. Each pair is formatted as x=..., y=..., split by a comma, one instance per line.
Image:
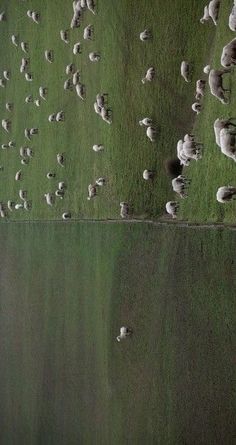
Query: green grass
x=65, y=292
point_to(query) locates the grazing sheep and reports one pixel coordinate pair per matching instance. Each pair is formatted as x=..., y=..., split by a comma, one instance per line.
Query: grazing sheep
x=92, y=191
x=77, y=48
x=18, y=175
x=149, y=76
x=76, y=78
x=88, y=32
x=228, y=56
x=27, y=133
x=49, y=55
x=232, y=18
x=94, y=57
x=185, y=70
x=34, y=131
x=28, y=77
x=75, y=22
x=29, y=152
x=9, y=106
x=43, y=92
x=200, y=88
x=3, y=213
x=60, y=193
x=4, y=146
x=50, y=175
x=124, y=333
x=37, y=102
x=3, y=16
x=70, y=69
x=180, y=184
x=219, y=124
x=60, y=116
x=148, y=174
x=225, y=194
x=3, y=83
x=80, y=90
x=98, y=147
x=145, y=122
x=50, y=198
x=61, y=159
x=68, y=84
x=19, y=206
x=6, y=74
x=24, y=161
x=184, y=160
x=145, y=35
x=211, y=11
x=100, y=182
x=64, y=36
x=106, y=115
x=100, y=99
x=124, y=210
x=97, y=109
x=10, y=205
x=29, y=99
x=91, y=6
x=52, y=117
x=11, y=144
x=23, y=194
x=61, y=185
x=35, y=17
x=172, y=208
x=29, y=13
x=228, y=143
x=151, y=133
x=207, y=69
x=216, y=84
x=27, y=205
x=24, y=47
x=15, y=40
x=66, y=215
x=196, y=107
x=23, y=151
x=6, y=125
x=192, y=150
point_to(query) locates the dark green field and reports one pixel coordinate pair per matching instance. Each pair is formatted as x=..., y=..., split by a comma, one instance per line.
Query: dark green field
x=66, y=290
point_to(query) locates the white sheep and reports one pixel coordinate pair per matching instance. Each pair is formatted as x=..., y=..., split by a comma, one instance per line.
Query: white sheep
x=77, y=48
x=15, y=40
x=91, y=6
x=24, y=47
x=29, y=99
x=52, y=117
x=68, y=84
x=106, y=115
x=149, y=76
x=219, y=124
x=6, y=125
x=145, y=122
x=92, y=191
x=148, y=175
x=207, y=69
x=6, y=74
x=24, y=161
x=94, y=56
x=216, y=84
x=70, y=69
x=37, y=102
x=101, y=100
x=124, y=333
x=66, y=215
x=43, y=92
x=19, y=206
x=196, y=107
x=64, y=36
x=225, y=194
x=151, y=133
x=184, y=160
x=211, y=11
x=34, y=131
x=10, y=205
x=232, y=18
x=185, y=71
x=11, y=144
x=76, y=78
x=228, y=143
x=60, y=194
x=29, y=152
x=124, y=210
x=27, y=205
x=49, y=55
x=180, y=185
x=100, y=182
x=145, y=35
x=60, y=159
x=98, y=147
x=61, y=185
x=88, y=32
x=97, y=109
x=3, y=16
x=200, y=88
x=28, y=77
x=50, y=175
x=35, y=17
x=50, y=198
x=3, y=83
x=18, y=175
x=228, y=56
x=9, y=106
x=80, y=90
x=192, y=150
x=172, y=208
x=60, y=116
x=23, y=194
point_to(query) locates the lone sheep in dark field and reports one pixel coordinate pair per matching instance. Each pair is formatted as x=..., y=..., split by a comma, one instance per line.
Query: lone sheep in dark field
x=211, y=12
x=148, y=174
x=145, y=35
x=216, y=84
x=225, y=194
x=149, y=76
x=228, y=56
x=124, y=333
x=66, y=215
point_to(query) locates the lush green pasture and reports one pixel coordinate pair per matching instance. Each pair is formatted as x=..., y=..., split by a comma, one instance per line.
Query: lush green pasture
x=66, y=290
x=177, y=35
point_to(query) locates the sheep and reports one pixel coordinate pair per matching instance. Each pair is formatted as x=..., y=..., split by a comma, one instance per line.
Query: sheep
x=145, y=122
x=18, y=175
x=184, y=160
x=50, y=198
x=61, y=159
x=219, y=124
x=200, y=88
x=149, y=76
x=3, y=16
x=225, y=194
x=61, y=185
x=88, y=32
x=232, y=18
x=124, y=210
x=15, y=40
x=148, y=174
x=65, y=36
x=172, y=208
x=75, y=22
x=70, y=69
x=28, y=77
x=25, y=47
x=29, y=99
x=10, y=205
x=35, y=17
x=49, y=55
x=23, y=194
x=34, y=131
x=100, y=99
x=52, y=117
x=3, y=83
x=97, y=109
x=192, y=150
x=43, y=92
x=24, y=161
x=19, y=206
x=180, y=184
x=27, y=133
x=60, y=193
x=60, y=116
x=6, y=74
x=25, y=62
x=106, y=115
x=145, y=35
x=98, y=147
x=189, y=137
x=9, y=106
x=50, y=175
x=80, y=90
x=4, y=146
x=83, y=4
x=92, y=191
x=76, y=78
x=23, y=151
x=100, y=182
x=196, y=107
x=29, y=13
x=185, y=71
x=211, y=11
x=29, y=152
x=228, y=56
x=11, y=144
x=77, y=48
x=37, y=102
x=124, y=333
x=94, y=57
x=216, y=84
x=151, y=133
x=27, y=205
x=3, y=213
x=66, y=215
x=228, y=143
x=6, y=125
x=68, y=84
x=207, y=69
x=91, y=6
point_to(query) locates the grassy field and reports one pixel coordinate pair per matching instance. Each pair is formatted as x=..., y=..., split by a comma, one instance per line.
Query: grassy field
x=66, y=290
x=177, y=35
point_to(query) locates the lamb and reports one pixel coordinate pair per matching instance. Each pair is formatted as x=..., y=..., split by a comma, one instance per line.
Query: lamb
x=11, y=144
x=172, y=208
x=151, y=133
x=49, y=55
x=50, y=198
x=76, y=78
x=149, y=76
x=146, y=121
x=91, y=6
x=200, y=88
x=185, y=71
x=124, y=333
x=124, y=210
x=60, y=117
x=34, y=131
x=180, y=184
x=3, y=83
x=43, y=92
x=100, y=182
x=66, y=215
x=61, y=159
x=24, y=47
x=145, y=35
x=228, y=56
x=4, y=146
x=219, y=124
x=80, y=90
x=148, y=174
x=70, y=69
x=23, y=194
x=3, y=213
x=225, y=194
x=29, y=152
x=23, y=151
x=196, y=107
x=88, y=32
x=216, y=84
x=98, y=147
x=232, y=18
x=29, y=13
x=228, y=143
x=15, y=40
x=24, y=161
x=64, y=36
x=92, y=191
x=9, y=106
x=77, y=48
x=94, y=56
x=211, y=11
x=106, y=115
